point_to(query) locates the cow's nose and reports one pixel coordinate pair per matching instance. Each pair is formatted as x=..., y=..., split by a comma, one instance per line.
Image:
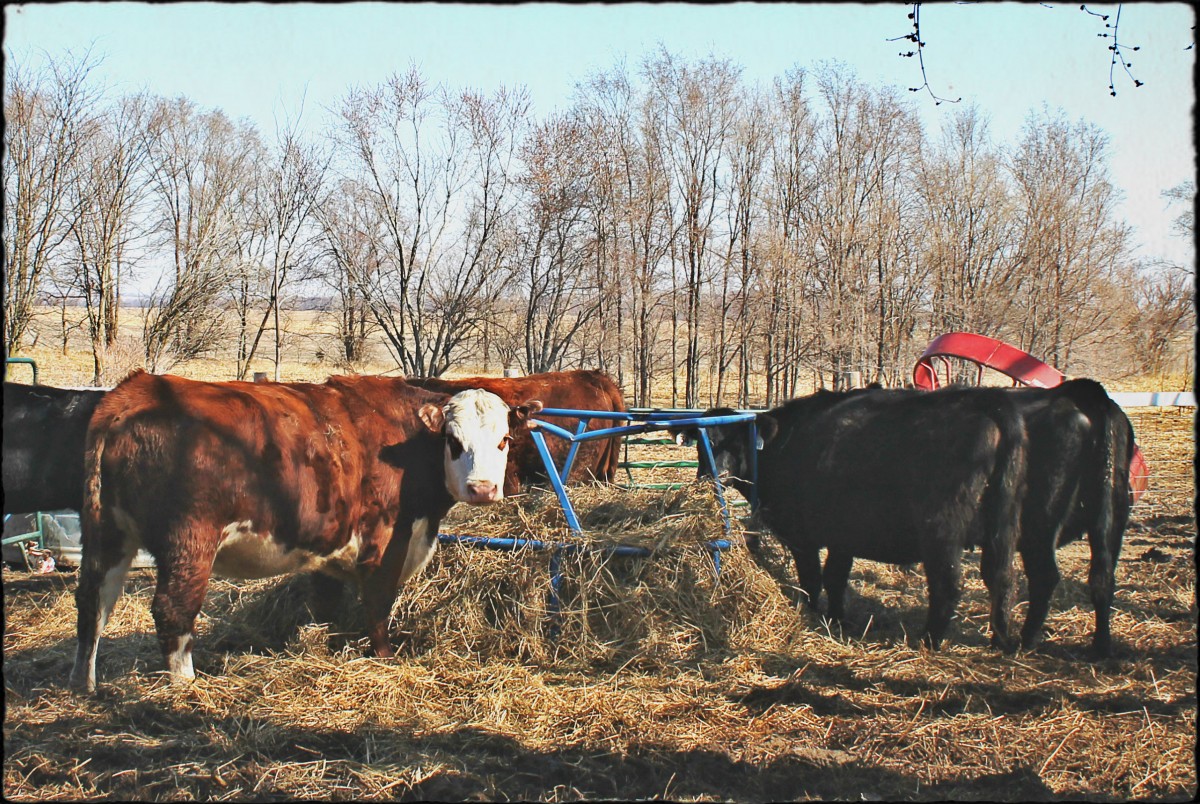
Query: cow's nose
x=483, y=491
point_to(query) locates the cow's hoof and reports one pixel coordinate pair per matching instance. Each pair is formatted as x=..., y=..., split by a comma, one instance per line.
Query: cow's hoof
x=1005, y=644
x=1031, y=641
x=84, y=685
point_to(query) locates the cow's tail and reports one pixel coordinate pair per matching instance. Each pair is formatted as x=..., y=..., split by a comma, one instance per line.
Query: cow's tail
x=1006, y=487
x=1106, y=492
x=611, y=460
x=89, y=519
x=1001, y=508
x=1106, y=498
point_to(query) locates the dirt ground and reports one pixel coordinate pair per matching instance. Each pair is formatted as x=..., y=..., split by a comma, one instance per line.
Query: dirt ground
x=656, y=678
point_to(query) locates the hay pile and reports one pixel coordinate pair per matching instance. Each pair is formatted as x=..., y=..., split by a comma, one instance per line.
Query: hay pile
x=610, y=611
x=663, y=680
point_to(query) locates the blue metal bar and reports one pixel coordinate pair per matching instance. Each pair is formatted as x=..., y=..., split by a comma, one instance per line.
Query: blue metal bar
x=583, y=425
x=666, y=424
x=754, y=464
x=554, y=428
x=711, y=463
x=516, y=543
x=539, y=440
x=683, y=417
x=591, y=414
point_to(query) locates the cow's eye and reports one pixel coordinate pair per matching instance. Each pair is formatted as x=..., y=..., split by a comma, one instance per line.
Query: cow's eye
x=505, y=443
x=456, y=447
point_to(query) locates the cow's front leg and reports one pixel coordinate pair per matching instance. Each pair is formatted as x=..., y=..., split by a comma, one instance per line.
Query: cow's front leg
x=808, y=570
x=411, y=546
x=837, y=575
x=325, y=597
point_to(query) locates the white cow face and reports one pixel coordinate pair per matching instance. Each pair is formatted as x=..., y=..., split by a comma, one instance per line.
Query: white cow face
x=476, y=426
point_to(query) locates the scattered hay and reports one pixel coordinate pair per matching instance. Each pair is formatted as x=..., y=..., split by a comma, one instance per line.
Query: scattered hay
x=655, y=678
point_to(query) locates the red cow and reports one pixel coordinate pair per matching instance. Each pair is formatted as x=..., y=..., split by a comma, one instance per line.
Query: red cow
x=349, y=478
x=576, y=390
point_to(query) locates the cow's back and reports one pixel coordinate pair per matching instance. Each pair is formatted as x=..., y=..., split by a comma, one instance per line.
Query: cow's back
x=296, y=459
x=44, y=434
x=875, y=468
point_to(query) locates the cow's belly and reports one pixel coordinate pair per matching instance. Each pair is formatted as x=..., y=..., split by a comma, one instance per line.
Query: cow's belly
x=246, y=554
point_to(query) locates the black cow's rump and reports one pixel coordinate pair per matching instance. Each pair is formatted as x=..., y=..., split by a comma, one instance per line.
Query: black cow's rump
x=1080, y=447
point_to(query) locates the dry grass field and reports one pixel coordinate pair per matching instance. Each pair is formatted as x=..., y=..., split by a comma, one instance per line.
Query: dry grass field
x=655, y=678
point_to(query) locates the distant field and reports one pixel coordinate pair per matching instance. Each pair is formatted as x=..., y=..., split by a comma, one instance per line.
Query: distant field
x=309, y=355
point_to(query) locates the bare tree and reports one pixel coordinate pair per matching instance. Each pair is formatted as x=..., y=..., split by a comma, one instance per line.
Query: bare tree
x=1069, y=242
x=631, y=220
x=970, y=229
x=1165, y=295
x=697, y=106
x=1185, y=223
x=109, y=196
x=740, y=265
x=197, y=160
x=354, y=238
x=1165, y=309
x=785, y=273
x=45, y=112
x=860, y=155
x=438, y=170
x=283, y=213
x=559, y=297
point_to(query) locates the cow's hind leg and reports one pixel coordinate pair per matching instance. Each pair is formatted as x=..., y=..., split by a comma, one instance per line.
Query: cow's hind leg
x=101, y=580
x=1102, y=584
x=996, y=566
x=184, y=570
x=1041, y=569
x=943, y=571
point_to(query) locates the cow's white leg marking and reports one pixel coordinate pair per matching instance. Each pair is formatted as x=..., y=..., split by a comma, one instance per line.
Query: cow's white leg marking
x=421, y=546
x=179, y=658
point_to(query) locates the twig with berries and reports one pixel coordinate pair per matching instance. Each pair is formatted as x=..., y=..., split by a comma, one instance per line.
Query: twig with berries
x=915, y=38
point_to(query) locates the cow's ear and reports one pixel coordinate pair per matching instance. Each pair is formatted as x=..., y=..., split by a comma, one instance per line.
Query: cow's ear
x=519, y=416
x=433, y=416
x=767, y=428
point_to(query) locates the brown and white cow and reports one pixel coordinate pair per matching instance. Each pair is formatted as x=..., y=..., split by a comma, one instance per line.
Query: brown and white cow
x=349, y=478
x=583, y=389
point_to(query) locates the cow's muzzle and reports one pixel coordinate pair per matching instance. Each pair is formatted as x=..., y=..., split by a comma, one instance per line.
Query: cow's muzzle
x=482, y=492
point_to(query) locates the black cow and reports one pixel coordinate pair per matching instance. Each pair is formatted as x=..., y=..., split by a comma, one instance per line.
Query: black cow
x=892, y=476
x=1080, y=447
x=44, y=435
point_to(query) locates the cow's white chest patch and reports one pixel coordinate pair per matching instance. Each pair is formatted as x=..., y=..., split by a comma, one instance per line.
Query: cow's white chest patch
x=246, y=554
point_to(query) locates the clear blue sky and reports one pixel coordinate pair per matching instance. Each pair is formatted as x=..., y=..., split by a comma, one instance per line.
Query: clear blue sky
x=259, y=60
